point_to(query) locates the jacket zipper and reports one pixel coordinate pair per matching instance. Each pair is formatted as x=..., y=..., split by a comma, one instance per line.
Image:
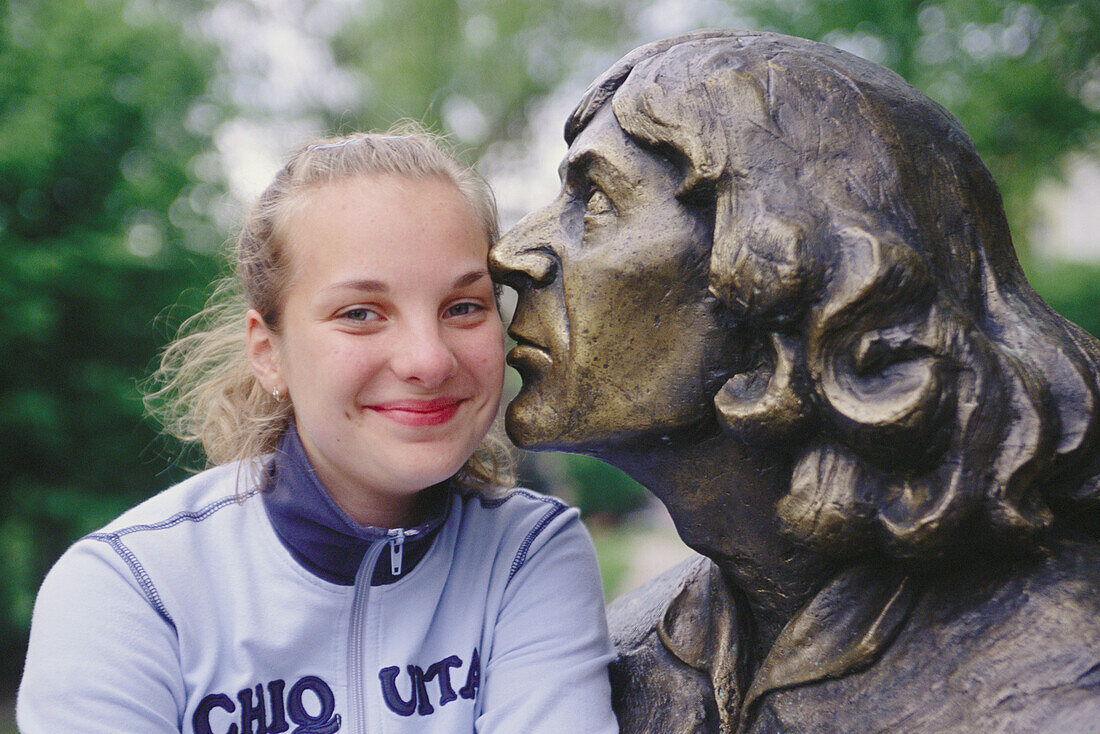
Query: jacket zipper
x=357, y=692
x=397, y=549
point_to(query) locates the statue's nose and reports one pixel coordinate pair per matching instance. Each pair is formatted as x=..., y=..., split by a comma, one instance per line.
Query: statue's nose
x=525, y=256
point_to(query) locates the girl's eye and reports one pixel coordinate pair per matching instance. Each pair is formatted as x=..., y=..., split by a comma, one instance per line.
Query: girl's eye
x=463, y=309
x=360, y=314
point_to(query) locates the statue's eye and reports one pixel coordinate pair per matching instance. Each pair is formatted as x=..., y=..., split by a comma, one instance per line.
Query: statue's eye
x=597, y=206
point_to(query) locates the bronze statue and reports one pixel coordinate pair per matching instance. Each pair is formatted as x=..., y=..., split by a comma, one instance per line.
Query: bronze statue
x=779, y=290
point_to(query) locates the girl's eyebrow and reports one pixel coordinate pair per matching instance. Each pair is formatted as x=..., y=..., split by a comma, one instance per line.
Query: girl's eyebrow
x=378, y=286
x=371, y=286
x=470, y=278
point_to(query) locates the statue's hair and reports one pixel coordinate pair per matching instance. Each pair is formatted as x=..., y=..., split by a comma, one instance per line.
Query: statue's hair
x=204, y=390
x=901, y=357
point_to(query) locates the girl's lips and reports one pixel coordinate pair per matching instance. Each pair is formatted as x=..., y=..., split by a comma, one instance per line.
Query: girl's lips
x=419, y=413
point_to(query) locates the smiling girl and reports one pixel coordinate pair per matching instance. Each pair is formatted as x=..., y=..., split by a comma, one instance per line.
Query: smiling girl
x=353, y=562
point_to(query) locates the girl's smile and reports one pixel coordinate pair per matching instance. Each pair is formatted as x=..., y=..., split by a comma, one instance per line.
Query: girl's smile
x=419, y=413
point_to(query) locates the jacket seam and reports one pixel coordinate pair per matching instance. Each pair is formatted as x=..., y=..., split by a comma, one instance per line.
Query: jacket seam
x=557, y=508
x=494, y=502
x=144, y=581
x=148, y=588
x=182, y=516
x=525, y=546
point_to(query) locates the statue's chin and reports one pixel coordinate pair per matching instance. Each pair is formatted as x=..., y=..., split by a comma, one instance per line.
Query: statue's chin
x=528, y=426
x=535, y=425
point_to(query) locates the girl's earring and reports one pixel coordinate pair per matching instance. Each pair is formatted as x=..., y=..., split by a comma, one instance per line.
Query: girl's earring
x=278, y=395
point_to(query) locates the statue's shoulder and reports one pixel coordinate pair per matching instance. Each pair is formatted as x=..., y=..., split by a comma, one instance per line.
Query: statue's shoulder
x=635, y=616
x=672, y=638
x=1052, y=598
x=1021, y=649
x=1053, y=604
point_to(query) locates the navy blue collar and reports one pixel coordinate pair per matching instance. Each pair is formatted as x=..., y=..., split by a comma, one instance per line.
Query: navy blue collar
x=324, y=539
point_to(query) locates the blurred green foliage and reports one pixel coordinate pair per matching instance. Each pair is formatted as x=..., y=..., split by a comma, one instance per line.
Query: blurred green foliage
x=471, y=68
x=1072, y=289
x=601, y=490
x=614, y=549
x=93, y=157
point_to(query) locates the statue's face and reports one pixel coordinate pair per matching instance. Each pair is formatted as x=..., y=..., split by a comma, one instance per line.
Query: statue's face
x=617, y=336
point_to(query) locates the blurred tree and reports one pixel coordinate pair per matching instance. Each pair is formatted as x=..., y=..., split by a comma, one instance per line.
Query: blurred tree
x=602, y=490
x=472, y=67
x=1072, y=289
x=101, y=225
x=1022, y=77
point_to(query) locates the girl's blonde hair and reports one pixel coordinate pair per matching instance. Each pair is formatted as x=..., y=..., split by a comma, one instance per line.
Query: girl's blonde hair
x=204, y=390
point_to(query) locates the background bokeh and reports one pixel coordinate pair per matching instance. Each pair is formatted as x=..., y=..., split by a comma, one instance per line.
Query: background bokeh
x=133, y=132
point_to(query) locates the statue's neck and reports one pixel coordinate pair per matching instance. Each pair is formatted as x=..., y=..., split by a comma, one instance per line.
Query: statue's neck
x=721, y=496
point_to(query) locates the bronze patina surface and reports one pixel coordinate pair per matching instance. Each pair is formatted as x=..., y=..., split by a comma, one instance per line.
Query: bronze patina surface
x=778, y=289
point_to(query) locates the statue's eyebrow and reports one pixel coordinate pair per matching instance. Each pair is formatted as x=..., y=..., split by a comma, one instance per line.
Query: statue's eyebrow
x=592, y=163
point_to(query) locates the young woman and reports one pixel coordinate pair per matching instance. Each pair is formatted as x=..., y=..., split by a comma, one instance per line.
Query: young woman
x=351, y=563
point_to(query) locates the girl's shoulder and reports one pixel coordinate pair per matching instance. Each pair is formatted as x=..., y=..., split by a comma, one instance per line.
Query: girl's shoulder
x=195, y=499
x=516, y=506
x=517, y=524
x=512, y=498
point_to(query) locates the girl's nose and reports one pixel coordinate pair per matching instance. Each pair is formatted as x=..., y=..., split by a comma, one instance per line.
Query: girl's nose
x=424, y=358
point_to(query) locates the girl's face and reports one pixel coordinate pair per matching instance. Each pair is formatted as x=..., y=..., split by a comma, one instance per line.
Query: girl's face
x=390, y=344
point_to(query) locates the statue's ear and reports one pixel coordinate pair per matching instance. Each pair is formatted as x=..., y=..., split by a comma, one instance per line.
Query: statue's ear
x=768, y=401
x=880, y=349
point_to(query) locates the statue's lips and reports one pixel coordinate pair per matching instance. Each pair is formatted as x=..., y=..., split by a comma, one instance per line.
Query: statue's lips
x=526, y=355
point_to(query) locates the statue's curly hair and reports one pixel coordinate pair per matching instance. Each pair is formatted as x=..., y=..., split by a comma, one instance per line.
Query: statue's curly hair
x=920, y=385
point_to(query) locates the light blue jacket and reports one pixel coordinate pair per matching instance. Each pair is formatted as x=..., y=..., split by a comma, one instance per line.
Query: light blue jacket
x=200, y=612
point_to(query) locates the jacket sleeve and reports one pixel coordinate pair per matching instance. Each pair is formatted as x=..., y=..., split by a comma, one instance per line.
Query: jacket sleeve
x=100, y=659
x=548, y=670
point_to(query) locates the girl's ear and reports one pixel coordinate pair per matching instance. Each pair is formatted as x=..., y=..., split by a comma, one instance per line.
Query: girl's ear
x=263, y=352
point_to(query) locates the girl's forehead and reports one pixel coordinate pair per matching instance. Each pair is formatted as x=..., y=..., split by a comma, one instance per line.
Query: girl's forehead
x=387, y=196
x=381, y=228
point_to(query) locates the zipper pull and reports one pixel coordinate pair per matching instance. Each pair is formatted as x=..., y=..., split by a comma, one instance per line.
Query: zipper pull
x=397, y=550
